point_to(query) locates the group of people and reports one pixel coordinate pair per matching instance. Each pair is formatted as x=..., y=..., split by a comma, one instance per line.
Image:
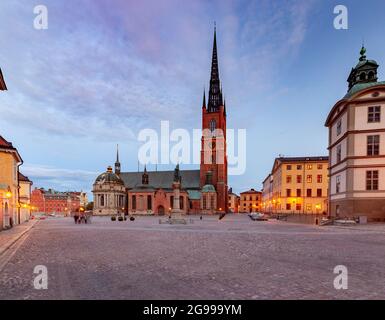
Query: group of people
x=81, y=217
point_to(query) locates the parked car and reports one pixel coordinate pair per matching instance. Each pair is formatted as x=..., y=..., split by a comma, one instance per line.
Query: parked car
x=258, y=216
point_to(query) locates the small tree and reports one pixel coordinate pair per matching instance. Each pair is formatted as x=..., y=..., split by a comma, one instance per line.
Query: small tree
x=90, y=206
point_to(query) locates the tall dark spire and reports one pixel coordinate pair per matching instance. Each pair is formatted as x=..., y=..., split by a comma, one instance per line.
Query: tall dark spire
x=215, y=100
x=117, y=163
x=204, y=99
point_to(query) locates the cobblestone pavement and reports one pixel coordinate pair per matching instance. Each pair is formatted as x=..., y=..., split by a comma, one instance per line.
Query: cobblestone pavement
x=235, y=258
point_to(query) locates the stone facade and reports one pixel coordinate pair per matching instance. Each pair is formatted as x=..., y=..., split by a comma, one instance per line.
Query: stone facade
x=356, y=126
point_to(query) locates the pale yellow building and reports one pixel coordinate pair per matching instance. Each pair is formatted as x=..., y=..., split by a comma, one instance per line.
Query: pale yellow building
x=233, y=201
x=24, y=198
x=10, y=161
x=297, y=185
x=250, y=201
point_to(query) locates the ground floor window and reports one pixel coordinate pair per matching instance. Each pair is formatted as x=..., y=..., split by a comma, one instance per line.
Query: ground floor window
x=372, y=180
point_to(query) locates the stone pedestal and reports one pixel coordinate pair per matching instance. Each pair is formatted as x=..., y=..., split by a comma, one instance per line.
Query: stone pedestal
x=176, y=212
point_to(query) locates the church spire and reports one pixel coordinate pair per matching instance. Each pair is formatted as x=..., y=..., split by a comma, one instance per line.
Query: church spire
x=214, y=100
x=117, y=163
x=204, y=99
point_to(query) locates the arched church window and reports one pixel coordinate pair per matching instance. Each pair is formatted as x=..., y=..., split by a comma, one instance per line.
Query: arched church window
x=133, y=202
x=102, y=200
x=213, y=125
x=362, y=76
x=149, y=202
x=371, y=75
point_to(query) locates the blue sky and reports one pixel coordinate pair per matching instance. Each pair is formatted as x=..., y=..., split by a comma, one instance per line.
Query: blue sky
x=106, y=69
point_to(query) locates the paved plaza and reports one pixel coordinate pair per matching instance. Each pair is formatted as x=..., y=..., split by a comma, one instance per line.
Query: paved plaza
x=234, y=258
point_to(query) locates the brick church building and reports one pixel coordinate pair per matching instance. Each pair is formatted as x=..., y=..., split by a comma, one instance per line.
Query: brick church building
x=203, y=191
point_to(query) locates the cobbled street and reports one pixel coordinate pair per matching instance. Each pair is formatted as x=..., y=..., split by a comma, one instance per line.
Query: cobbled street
x=235, y=258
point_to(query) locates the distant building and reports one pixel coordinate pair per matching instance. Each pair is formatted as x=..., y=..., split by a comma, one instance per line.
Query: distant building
x=233, y=201
x=250, y=201
x=10, y=160
x=51, y=201
x=109, y=194
x=25, y=186
x=267, y=194
x=356, y=126
x=297, y=185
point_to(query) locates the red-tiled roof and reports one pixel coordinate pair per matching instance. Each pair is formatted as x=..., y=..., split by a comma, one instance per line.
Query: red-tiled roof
x=251, y=191
x=22, y=177
x=5, y=143
x=3, y=86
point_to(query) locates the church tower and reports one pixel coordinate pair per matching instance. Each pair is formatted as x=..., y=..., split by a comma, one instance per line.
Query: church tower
x=213, y=142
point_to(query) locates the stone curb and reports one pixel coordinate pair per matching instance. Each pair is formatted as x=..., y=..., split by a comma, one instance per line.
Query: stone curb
x=11, y=242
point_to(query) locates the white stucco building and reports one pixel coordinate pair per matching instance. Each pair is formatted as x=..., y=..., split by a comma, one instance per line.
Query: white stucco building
x=357, y=146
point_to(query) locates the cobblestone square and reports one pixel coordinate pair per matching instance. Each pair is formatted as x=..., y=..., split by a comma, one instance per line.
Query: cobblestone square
x=234, y=258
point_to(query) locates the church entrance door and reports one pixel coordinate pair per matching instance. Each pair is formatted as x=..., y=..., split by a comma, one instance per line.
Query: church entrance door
x=161, y=210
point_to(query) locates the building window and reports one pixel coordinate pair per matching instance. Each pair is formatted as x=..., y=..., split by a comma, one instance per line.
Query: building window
x=288, y=179
x=298, y=207
x=309, y=167
x=299, y=167
x=133, y=202
x=288, y=206
x=309, y=207
x=102, y=200
x=319, y=166
x=308, y=193
x=338, y=184
x=213, y=125
x=172, y=202
x=299, y=193
x=288, y=193
x=319, y=193
x=374, y=114
x=149, y=202
x=309, y=178
x=288, y=167
x=319, y=178
x=299, y=179
x=373, y=145
x=372, y=180
x=339, y=153
x=339, y=126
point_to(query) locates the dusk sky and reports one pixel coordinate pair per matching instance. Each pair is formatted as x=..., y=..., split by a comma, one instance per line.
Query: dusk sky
x=105, y=69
